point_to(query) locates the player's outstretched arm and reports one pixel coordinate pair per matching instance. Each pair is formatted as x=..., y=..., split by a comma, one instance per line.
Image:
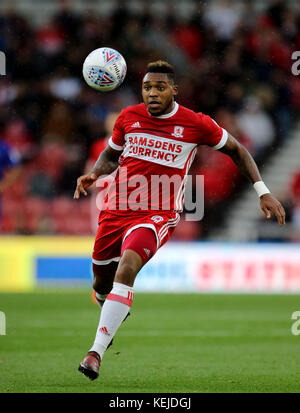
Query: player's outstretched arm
x=105, y=165
x=246, y=164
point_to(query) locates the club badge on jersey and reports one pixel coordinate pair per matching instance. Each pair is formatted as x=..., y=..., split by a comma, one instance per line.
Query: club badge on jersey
x=178, y=132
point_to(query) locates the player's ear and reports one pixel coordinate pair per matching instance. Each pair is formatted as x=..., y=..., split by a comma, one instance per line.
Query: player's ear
x=175, y=90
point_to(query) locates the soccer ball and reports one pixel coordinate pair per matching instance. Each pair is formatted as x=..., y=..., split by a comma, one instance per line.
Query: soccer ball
x=104, y=69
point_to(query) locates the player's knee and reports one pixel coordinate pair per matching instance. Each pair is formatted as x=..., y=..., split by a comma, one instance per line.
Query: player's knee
x=101, y=286
x=103, y=278
x=128, y=268
x=125, y=273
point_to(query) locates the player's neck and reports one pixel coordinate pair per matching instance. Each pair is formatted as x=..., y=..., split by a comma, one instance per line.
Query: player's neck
x=168, y=112
x=169, y=109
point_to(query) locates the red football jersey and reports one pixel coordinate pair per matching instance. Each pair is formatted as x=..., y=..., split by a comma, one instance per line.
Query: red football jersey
x=158, y=150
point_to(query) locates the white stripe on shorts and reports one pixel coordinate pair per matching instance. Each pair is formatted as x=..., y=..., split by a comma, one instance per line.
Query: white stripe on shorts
x=164, y=230
x=146, y=225
x=105, y=262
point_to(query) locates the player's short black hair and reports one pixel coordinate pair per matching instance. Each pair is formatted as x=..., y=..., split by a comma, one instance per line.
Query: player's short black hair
x=160, y=66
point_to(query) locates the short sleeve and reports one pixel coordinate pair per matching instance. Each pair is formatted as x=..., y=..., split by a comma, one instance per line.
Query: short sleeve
x=210, y=133
x=116, y=141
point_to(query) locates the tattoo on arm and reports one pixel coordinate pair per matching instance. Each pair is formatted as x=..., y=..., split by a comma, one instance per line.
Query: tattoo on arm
x=107, y=162
x=242, y=158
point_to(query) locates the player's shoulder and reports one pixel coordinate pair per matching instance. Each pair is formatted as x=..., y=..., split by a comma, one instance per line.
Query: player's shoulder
x=130, y=113
x=140, y=108
x=191, y=115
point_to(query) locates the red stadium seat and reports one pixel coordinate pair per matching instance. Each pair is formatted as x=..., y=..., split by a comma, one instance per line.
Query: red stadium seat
x=52, y=165
x=11, y=207
x=83, y=208
x=72, y=225
x=8, y=225
x=36, y=207
x=62, y=207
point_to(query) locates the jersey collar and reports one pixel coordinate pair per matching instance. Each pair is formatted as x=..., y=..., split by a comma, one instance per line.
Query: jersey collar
x=167, y=115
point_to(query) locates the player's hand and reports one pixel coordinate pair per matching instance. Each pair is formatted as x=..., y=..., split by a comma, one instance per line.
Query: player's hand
x=83, y=182
x=270, y=205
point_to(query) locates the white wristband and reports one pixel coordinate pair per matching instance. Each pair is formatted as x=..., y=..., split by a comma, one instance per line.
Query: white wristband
x=261, y=188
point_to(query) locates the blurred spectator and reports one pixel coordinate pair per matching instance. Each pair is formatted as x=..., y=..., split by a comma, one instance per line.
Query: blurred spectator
x=67, y=20
x=187, y=231
x=295, y=203
x=187, y=35
x=228, y=121
x=257, y=125
x=234, y=97
x=9, y=168
x=50, y=38
x=295, y=187
x=64, y=86
x=9, y=165
x=59, y=124
x=296, y=223
x=220, y=175
x=283, y=103
x=224, y=17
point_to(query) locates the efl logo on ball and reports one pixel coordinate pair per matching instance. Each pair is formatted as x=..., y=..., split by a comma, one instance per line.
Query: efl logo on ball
x=104, y=69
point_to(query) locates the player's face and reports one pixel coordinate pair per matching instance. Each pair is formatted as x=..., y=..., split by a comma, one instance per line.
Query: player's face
x=158, y=93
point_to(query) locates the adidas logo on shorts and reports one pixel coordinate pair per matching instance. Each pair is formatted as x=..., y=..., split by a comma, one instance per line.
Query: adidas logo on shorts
x=147, y=251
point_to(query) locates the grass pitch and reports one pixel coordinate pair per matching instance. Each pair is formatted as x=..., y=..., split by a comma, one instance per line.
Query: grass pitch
x=171, y=343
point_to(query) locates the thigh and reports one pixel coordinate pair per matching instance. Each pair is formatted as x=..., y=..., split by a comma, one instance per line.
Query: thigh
x=149, y=233
x=108, y=241
x=162, y=225
x=143, y=241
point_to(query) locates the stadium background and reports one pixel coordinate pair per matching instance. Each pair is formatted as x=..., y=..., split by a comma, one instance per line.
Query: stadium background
x=233, y=60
